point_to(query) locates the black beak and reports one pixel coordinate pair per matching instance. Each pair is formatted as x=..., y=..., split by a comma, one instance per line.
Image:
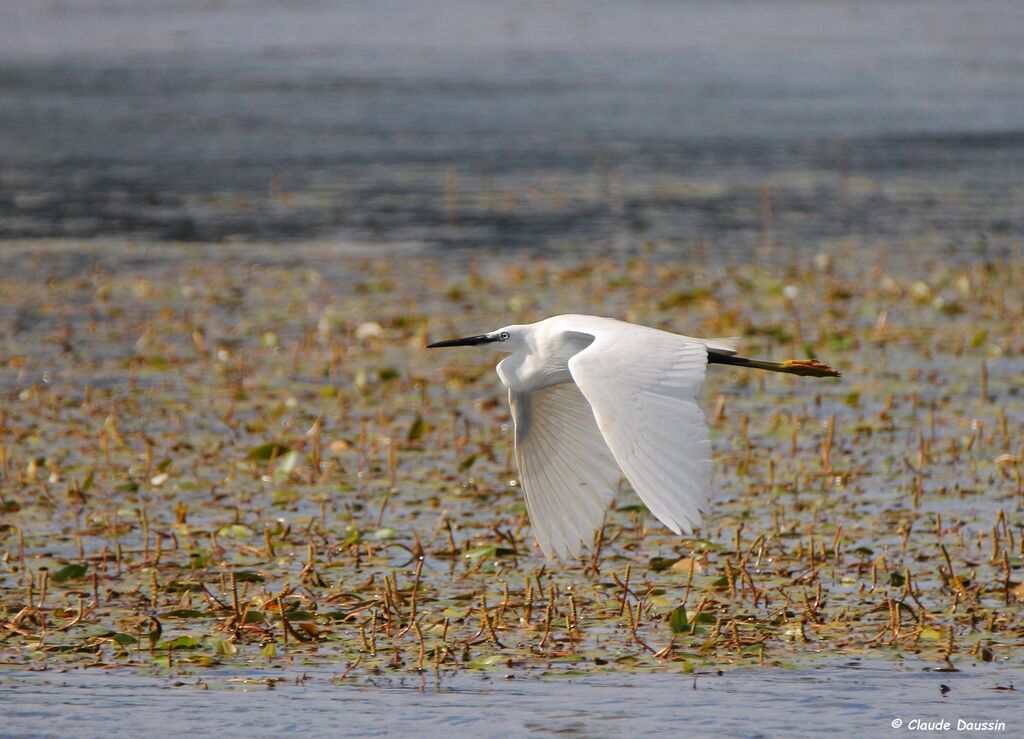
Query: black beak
x=467, y=341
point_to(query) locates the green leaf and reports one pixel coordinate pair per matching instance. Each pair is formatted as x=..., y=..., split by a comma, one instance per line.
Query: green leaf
x=466, y=463
x=269, y=650
x=678, y=621
x=287, y=463
x=485, y=663
x=70, y=572
x=488, y=550
x=236, y=531
x=226, y=648
x=704, y=617
x=182, y=642
x=248, y=576
x=267, y=451
x=416, y=430
x=284, y=497
x=658, y=564
x=198, y=561
x=155, y=632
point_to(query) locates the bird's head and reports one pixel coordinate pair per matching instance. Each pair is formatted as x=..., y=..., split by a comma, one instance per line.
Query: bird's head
x=507, y=339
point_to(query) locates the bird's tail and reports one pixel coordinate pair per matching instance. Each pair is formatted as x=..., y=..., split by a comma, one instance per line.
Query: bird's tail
x=803, y=367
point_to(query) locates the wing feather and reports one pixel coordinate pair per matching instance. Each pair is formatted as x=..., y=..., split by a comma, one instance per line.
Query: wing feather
x=642, y=386
x=567, y=472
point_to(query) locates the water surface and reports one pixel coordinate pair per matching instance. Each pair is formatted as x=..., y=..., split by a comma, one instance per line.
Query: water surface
x=544, y=125
x=854, y=699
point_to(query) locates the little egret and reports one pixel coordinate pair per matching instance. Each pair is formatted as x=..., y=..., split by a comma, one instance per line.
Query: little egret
x=593, y=399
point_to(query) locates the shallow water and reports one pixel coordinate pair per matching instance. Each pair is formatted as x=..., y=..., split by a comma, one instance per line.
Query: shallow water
x=856, y=698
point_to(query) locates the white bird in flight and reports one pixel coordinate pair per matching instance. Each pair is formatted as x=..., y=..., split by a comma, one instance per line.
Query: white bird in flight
x=593, y=399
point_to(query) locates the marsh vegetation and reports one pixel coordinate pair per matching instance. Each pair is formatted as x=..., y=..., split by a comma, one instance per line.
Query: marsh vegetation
x=240, y=457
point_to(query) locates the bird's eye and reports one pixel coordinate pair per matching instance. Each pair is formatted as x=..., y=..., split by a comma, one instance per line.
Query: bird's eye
x=503, y=336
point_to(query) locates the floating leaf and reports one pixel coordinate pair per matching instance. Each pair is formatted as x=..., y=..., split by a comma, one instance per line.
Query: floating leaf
x=488, y=550
x=248, y=576
x=236, y=531
x=182, y=642
x=416, y=430
x=102, y=632
x=198, y=561
x=284, y=497
x=226, y=648
x=268, y=451
x=70, y=572
x=287, y=463
x=657, y=564
x=485, y=663
x=678, y=621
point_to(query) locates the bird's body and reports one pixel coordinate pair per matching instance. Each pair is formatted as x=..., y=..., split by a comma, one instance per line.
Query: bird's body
x=594, y=399
x=541, y=356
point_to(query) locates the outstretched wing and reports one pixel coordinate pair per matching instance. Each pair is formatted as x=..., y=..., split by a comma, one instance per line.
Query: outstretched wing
x=642, y=386
x=566, y=470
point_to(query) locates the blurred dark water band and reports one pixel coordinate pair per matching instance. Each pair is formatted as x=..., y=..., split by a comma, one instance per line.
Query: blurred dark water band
x=568, y=125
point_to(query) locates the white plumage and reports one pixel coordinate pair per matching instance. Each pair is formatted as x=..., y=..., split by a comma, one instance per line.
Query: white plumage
x=594, y=399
